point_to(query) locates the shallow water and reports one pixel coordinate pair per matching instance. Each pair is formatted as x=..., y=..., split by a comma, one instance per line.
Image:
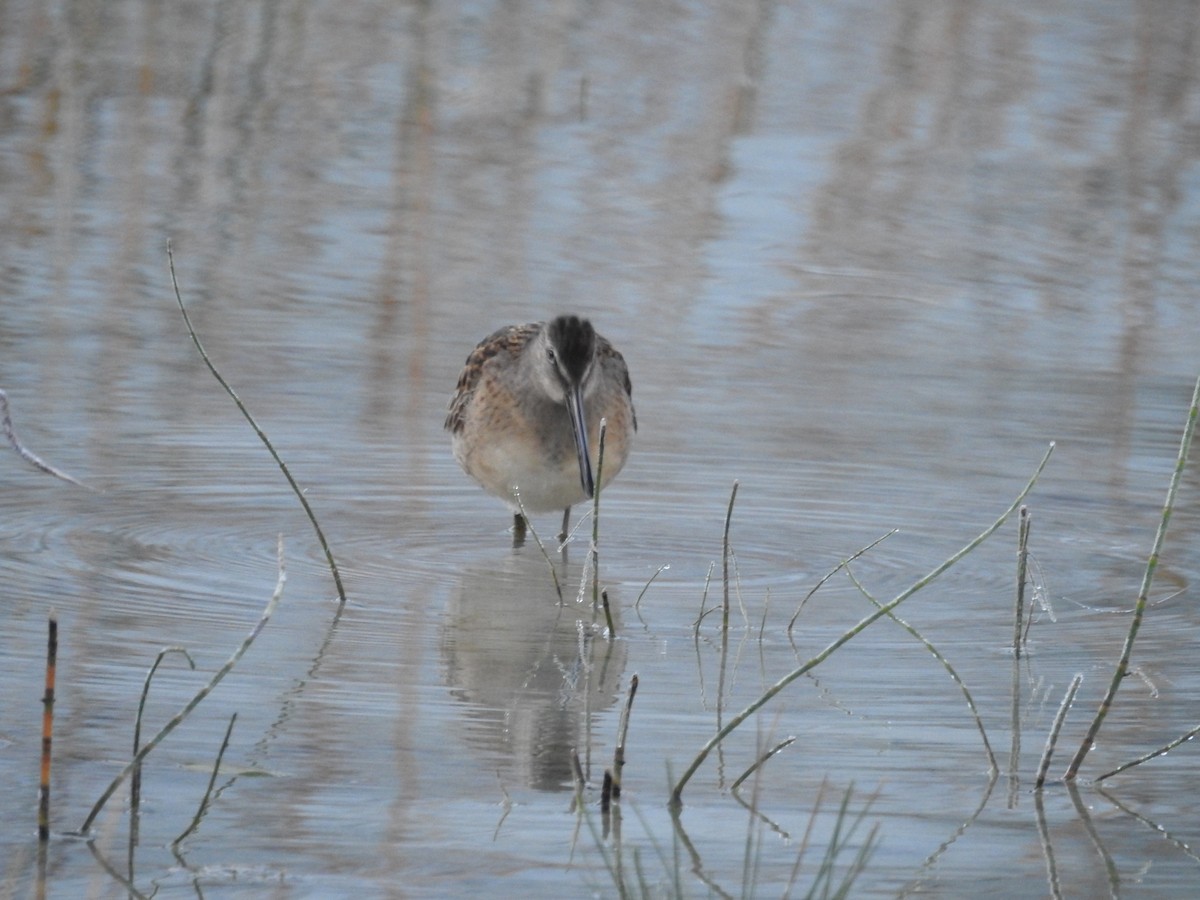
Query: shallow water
x=867, y=261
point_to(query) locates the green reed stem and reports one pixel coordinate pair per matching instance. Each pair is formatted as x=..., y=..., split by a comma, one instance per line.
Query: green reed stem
x=1122, y=668
x=729, y=727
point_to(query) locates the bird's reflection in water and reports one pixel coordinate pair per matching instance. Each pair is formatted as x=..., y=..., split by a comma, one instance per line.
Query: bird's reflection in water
x=533, y=672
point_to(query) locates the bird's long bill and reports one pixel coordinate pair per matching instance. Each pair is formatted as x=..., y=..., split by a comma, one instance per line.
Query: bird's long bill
x=579, y=426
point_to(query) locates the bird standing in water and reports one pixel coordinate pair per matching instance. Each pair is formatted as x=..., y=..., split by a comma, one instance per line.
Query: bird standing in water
x=525, y=417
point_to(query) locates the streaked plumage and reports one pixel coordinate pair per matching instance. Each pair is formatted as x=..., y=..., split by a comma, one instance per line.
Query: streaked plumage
x=512, y=417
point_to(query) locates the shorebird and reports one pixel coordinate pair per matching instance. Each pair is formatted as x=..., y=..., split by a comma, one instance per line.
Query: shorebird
x=525, y=417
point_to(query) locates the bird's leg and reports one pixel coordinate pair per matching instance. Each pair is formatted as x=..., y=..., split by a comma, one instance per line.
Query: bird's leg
x=518, y=530
x=562, y=535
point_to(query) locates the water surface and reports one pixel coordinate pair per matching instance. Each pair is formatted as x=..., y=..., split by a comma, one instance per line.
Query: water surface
x=866, y=260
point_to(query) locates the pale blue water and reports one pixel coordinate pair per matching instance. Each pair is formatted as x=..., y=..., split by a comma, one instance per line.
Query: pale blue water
x=866, y=260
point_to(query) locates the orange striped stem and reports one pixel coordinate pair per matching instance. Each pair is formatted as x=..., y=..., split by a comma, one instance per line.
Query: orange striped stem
x=47, y=731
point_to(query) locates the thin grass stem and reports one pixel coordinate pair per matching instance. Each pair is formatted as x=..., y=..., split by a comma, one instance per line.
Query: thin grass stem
x=541, y=547
x=208, y=791
x=806, y=839
x=730, y=726
x=824, y=578
x=1020, y=635
x=786, y=742
x=638, y=602
x=843, y=833
x=622, y=734
x=580, y=783
x=596, y=517
x=1182, y=739
x=1022, y=573
x=507, y=803
x=608, y=619
x=135, y=780
x=762, y=622
x=195, y=701
x=262, y=436
x=606, y=787
x=950, y=670
x=32, y=458
x=703, y=600
x=725, y=557
x=1055, y=727
x=1122, y=667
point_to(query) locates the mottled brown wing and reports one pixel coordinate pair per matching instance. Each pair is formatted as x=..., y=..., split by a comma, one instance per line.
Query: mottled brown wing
x=606, y=351
x=510, y=339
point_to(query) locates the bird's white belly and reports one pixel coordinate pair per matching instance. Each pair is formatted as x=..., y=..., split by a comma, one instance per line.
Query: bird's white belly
x=511, y=469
